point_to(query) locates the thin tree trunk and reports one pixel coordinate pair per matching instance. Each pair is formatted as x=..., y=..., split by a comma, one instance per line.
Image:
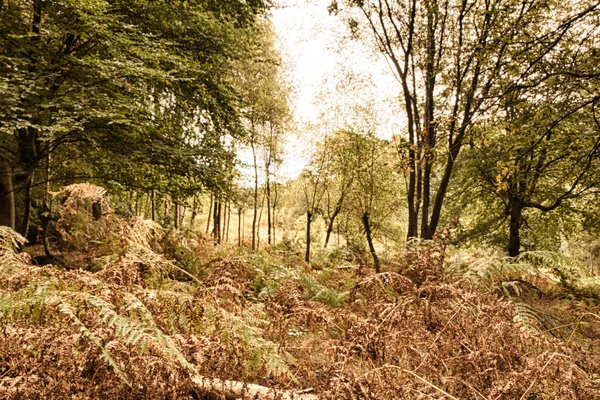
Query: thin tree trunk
x=308, y=222
x=194, y=211
x=426, y=191
x=275, y=198
x=330, y=226
x=26, y=205
x=429, y=125
x=254, y=218
x=367, y=226
x=176, y=215
x=228, y=221
x=269, y=239
x=153, y=205
x=219, y=220
x=209, y=213
x=166, y=208
x=239, y=227
x=412, y=181
x=181, y=214
x=262, y=206
x=338, y=208
x=243, y=226
x=137, y=203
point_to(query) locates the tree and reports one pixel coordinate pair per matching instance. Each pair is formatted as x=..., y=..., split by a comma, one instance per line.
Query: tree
x=450, y=58
x=371, y=195
x=313, y=182
x=266, y=110
x=543, y=154
x=341, y=172
x=139, y=83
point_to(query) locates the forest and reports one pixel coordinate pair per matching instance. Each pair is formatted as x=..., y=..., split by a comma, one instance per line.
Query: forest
x=152, y=246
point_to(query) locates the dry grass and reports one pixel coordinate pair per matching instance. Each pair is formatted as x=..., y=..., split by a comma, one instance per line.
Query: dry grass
x=139, y=327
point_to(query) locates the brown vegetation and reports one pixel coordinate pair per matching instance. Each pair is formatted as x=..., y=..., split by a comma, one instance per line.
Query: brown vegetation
x=223, y=323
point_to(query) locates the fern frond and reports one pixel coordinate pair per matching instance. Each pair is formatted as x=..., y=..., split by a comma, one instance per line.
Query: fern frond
x=70, y=311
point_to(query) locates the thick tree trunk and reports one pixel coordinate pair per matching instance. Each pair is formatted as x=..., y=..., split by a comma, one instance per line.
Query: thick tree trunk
x=367, y=226
x=27, y=159
x=7, y=196
x=308, y=222
x=97, y=210
x=516, y=217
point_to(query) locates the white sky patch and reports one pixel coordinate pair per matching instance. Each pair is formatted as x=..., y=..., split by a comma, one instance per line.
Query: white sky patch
x=316, y=52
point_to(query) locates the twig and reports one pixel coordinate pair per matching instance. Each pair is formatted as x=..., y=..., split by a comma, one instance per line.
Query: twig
x=578, y=322
x=187, y=273
x=429, y=384
x=535, y=378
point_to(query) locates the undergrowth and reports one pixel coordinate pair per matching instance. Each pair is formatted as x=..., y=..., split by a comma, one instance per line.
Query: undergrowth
x=164, y=313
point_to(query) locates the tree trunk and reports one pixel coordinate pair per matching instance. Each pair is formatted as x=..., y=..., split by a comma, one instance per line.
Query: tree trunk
x=137, y=204
x=153, y=205
x=262, y=206
x=337, y=210
x=194, y=211
x=181, y=215
x=308, y=222
x=275, y=198
x=228, y=216
x=426, y=197
x=429, y=124
x=209, y=213
x=175, y=215
x=97, y=210
x=412, y=212
x=367, y=226
x=26, y=205
x=255, y=204
x=516, y=217
x=217, y=221
x=7, y=196
x=239, y=227
x=269, y=240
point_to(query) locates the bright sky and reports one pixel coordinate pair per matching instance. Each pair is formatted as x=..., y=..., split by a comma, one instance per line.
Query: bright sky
x=332, y=76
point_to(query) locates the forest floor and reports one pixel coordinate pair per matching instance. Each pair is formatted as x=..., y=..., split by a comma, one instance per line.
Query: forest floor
x=129, y=311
